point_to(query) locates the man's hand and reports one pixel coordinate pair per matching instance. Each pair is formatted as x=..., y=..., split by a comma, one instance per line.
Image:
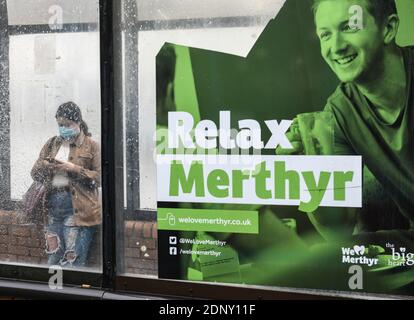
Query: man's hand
x=293, y=136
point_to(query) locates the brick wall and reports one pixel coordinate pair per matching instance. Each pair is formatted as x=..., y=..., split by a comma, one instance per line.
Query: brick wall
x=25, y=243
x=140, y=240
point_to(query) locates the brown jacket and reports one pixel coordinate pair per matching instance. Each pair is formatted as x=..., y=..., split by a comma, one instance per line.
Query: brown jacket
x=84, y=182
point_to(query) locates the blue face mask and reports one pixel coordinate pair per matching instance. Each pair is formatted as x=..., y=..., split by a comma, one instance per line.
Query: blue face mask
x=68, y=133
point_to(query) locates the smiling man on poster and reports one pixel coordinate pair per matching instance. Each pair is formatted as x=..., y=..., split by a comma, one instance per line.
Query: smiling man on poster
x=372, y=108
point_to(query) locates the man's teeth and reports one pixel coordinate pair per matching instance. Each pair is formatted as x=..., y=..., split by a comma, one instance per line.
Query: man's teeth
x=346, y=59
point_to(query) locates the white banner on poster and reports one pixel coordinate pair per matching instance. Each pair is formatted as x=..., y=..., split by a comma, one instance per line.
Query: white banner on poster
x=304, y=181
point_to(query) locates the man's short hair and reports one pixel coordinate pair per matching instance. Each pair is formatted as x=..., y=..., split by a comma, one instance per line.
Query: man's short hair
x=379, y=9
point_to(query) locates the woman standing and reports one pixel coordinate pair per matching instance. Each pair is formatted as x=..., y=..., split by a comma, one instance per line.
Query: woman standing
x=69, y=166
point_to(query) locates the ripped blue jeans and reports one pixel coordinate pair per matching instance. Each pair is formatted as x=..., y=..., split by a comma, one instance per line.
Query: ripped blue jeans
x=66, y=244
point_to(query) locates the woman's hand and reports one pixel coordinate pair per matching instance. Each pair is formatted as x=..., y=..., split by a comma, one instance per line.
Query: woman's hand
x=64, y=166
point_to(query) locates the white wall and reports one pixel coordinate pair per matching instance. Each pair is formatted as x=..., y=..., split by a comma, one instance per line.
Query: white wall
x=28, y=12
x=190, y=9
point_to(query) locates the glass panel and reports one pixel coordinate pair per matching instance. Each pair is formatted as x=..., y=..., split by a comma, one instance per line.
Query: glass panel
x=215, y=26
x=50, y=206
x=237, y=84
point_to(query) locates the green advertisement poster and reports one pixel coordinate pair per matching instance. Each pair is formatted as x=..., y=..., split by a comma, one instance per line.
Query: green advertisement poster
x=292, y=166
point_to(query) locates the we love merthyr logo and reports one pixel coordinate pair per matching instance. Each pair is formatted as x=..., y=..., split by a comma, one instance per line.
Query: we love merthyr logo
x=357, y=255
x=359, y=250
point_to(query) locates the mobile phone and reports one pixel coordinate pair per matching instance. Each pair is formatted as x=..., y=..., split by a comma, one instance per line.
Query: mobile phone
x=54, y=161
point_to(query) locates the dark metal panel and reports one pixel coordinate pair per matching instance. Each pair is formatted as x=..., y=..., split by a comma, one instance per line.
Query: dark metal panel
x=41, y=274
x=108, y=143
x=200, y=23
x=44, y=28
x=204, y=290
x=200, y=290
x=30, y=290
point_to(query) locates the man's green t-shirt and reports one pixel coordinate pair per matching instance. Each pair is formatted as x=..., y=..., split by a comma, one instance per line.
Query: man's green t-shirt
x=387, y=149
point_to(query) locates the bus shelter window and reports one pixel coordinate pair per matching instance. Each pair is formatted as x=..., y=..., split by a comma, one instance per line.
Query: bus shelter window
x=50, y=203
